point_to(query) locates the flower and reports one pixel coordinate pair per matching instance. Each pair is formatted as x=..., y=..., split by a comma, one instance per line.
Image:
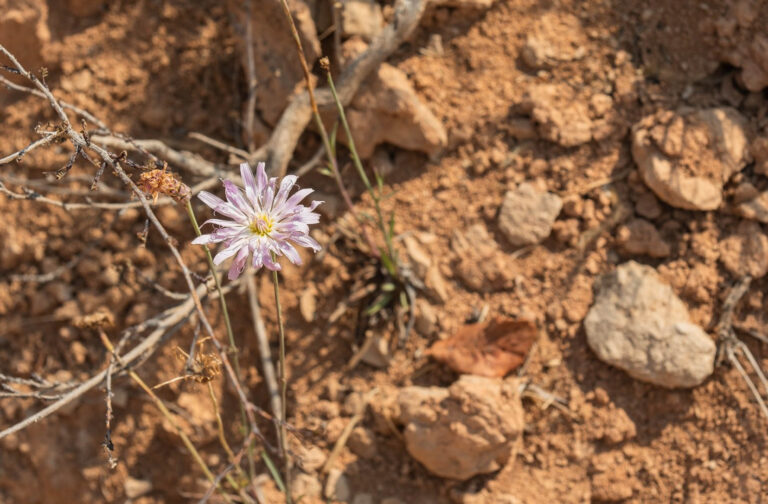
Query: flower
x=266, y=222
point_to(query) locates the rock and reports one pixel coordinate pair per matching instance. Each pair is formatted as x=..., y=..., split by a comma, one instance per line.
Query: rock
x=135, y=488
x=387, y=109
x=308, y=304
x=640, y=237
x=686, y=157
x=473, y=427
x=362, y=443
x=566, y=117
x=426, y=318
x=483, y=266
x=521, y=128
x=376, y=351
x=743, y=44
x=312, y=458
x=277, y=70
x=638, y=324
x=363, y=498
x=554, y=38
x=746, y=251
x=306, y=485
x=436, y=286
x=759, y=151
x=755, y=208
x=648, y=206
x=527, y=215
x=336, y=486
x=362, y=18
x=418, y=258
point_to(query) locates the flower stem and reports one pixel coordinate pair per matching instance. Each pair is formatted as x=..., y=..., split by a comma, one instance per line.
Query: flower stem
x=329, y=151
x=230, y=333
x=167, y=414
x=359, y=165
x=283, y=390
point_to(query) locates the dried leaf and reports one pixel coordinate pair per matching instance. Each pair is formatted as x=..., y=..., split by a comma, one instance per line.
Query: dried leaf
x=490, y=349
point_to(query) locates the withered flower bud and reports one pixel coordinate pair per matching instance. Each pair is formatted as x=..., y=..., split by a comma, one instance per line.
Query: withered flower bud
x=157, y=182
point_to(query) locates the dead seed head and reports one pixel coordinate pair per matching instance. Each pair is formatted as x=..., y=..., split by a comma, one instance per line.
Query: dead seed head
x=157, y=182
x=102, y=319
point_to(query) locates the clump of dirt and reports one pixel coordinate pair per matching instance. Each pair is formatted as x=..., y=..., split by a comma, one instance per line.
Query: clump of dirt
x=513, y=93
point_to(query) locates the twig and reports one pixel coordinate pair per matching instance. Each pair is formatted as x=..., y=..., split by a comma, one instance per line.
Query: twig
x=283, y=390
x=262, y=340
x=298, y=114
x=108, y=445
x=168, y=416
x=34, y=145
x=329, y=151
x=309, y=165
x=250, y=105
x=165, y=323
x=730, y=344
x=219, y=145
x=190, y=162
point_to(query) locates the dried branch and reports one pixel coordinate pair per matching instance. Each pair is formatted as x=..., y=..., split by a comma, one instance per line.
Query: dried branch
x=731, y=346
x=279, y=150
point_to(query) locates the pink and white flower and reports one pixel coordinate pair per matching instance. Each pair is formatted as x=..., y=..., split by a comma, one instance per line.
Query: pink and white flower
x=265, y=222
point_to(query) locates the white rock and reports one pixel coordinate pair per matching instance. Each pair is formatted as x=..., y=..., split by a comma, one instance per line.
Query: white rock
x=473, y=427
x=388, y=109
x=527, y=215
x=361, y=17
x=336, y=486
x=745, y=252
x=755, y=208
x=135, y=488
x=638, y=324
x=306, y=485
x=685, y=158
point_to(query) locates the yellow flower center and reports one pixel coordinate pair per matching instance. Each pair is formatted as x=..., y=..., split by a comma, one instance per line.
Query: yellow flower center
x=261, y=225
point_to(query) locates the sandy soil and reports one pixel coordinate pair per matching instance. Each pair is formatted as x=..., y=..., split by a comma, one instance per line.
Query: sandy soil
x=526, y=91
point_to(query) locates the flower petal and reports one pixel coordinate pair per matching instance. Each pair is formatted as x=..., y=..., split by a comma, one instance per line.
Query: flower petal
x=251, y=191
x=290, y=252
x=221, y=206
x=238, y=265
x=228, y=251
x=235, y=197
x=261, y=178
x=285, y=188
x=224, y=223
x=205, y=239
x=306, y=241
x=270, y=264
x=290, y=205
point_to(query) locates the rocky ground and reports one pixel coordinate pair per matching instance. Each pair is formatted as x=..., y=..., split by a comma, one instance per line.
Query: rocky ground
x=579, y=186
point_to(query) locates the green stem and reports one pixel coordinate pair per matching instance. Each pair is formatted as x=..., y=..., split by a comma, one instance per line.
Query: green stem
x=283, y=391
x=359, y=165
x=230, y=334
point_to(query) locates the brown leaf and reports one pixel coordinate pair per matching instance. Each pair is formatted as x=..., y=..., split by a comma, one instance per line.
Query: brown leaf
x=490, y=349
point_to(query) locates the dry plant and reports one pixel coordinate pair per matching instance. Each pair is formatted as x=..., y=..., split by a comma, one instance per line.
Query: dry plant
x=150, y=184
x=732, y=350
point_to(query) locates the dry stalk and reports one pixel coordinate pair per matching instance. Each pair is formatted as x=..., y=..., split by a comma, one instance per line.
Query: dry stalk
x=731, y=347
x=82, y=142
